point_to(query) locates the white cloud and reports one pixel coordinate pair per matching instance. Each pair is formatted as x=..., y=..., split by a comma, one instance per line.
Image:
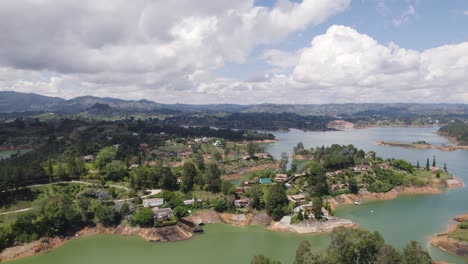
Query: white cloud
x=151, y=46
x=408, y=14
x=279, y=58
x=465, y=12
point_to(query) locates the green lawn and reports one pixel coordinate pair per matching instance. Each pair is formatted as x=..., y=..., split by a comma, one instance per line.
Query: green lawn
x=431, y=175
x=461, y=233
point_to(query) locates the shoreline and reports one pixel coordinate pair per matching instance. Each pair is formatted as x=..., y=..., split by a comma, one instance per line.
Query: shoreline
x=348, y=199
x=421, y=146
x=444, y=242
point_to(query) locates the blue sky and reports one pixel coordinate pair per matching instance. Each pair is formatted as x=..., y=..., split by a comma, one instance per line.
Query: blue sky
x=435, y=23
x=242, y=51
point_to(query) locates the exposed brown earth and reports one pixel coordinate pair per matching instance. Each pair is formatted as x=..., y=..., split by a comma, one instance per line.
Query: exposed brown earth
x=392, y=194
x=448, y=244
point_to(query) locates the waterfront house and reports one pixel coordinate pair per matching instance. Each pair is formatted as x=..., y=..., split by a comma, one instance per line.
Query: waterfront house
x=133, y=166
x=160, y=214
x=153, y=202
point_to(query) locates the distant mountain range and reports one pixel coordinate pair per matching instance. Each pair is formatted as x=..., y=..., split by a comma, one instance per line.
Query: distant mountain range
x=22, y=102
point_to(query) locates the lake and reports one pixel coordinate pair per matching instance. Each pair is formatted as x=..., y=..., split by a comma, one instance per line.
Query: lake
x=399, y=221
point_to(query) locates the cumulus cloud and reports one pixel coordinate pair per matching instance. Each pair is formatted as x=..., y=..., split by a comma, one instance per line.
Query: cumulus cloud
x=148, y=45
x=344, y=60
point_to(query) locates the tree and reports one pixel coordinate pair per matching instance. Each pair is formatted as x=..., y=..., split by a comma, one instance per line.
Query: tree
x=317, y=207
x=143, y=217
x=106, y=215
x=261, y=259
x=167, y=180
x=353, y=185
x=275, y=201
x=445, y=167
x=189, y=172
x=317, y=180
x=303, y=253
x=388, y=255
x=213, y=178
x=417, y=165
x=180, y=211
x=350, y=246
x=227, y=188
x=105, y=156
x=256, y=197
x=434, y=161
x=414, y=254
x=115, y=170
x=427, y=164
x=251, y=149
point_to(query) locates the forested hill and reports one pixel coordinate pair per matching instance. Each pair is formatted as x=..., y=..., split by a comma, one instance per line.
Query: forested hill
x=22, y=102
x=458, y=130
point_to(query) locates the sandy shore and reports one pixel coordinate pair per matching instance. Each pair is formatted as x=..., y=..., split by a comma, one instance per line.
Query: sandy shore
x=450, y=245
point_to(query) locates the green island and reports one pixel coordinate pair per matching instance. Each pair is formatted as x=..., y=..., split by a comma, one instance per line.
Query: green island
x=131, y=177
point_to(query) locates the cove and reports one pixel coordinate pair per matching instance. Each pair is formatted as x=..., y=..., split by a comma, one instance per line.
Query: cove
x=399, y=221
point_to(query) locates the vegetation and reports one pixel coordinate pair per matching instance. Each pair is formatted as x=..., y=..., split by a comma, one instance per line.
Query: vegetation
x=351, y=246
x=458, y=130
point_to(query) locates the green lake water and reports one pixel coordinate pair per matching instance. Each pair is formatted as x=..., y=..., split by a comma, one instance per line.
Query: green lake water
x=399, y=221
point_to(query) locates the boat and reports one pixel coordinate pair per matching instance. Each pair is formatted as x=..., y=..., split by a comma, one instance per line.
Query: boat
x=357, y=203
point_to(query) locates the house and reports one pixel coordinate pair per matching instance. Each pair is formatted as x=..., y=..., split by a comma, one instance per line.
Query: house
x=296, y=198
x=240, y=190
x=143, y=146
x=88, y=158
x=281, y=177
x=265, y=181
x=133, y=166
x=263, y=155
x=218, y=143
x=361, y=167
x=189, y=202
x=153, y=202
x=305, y=207
x=241, y=203
x=384, y=166
x=434, y=169
x=160, y=214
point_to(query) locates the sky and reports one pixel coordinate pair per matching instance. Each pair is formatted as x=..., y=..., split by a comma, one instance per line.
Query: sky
x=241, y=52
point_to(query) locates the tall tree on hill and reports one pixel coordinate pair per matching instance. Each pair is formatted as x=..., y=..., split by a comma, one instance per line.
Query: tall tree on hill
x=317, y=180
x=276, y=201
x=188, y=175
x=213, y=178
x=445, y=167
x=417, y=165
x=427, y=164
x=434, y=161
